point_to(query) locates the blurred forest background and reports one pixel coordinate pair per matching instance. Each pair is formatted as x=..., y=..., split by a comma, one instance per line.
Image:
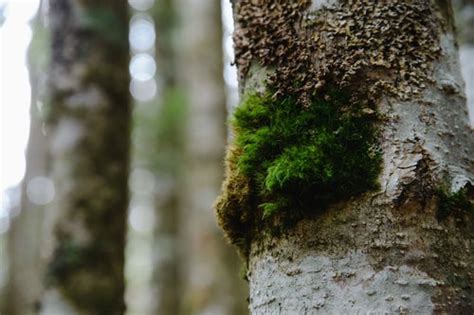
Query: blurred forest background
x=182, y=88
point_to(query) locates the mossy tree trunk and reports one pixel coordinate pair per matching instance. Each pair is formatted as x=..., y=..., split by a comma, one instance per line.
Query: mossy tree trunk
x=335, y=216
x=88, y=123
x=210, y=267
x=25, y=233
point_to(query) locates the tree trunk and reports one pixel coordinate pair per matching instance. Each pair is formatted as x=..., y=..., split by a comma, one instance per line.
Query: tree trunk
x=88, y=123
x=24, y=241
x=464, y=16
x=334, y=216
x=169, y=128
x=210, y=267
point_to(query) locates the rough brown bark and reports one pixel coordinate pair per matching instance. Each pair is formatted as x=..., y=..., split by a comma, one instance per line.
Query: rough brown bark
x=88, y=122
x=407, y=247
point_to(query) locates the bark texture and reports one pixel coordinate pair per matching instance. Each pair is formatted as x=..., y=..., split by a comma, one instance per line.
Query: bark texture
x=210, y=266
x=406, y=247
x=88, y=122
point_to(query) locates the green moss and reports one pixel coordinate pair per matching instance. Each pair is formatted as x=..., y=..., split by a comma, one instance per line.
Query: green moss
x=451, y=203
x=299, y=158
x=235, y=203
x=243, y=272
x=294, y=161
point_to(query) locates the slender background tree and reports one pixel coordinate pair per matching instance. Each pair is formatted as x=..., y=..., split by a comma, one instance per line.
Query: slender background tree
x=170, y=135
x=464, y=17
x=24, y=244
x=211, y=269
x=192, y=264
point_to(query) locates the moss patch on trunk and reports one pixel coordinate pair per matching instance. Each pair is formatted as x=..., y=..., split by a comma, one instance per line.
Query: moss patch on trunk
x=311, y=140
x=289, y=162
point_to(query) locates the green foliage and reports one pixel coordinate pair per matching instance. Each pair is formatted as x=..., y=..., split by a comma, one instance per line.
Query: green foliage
x=302, y=159
x=450, y=203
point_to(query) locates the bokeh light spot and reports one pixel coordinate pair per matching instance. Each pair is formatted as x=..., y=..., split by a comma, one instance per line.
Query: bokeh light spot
x=40, y=190
x=142, y=67
x=142, y=219
x=141, y=5
x=142, y=34
x=143, y=91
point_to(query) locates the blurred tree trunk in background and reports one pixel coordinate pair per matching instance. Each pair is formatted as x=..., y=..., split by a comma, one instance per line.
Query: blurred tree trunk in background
x=211, y=269
x=406, y=247
x=88, y=125
x=26, y=229
x=464, y=17
x=169, y=163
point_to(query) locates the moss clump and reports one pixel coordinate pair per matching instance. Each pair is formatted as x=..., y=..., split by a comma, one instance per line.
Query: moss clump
x=450, y=203
x=234, y=205
x=288, y=161
x=299, y=158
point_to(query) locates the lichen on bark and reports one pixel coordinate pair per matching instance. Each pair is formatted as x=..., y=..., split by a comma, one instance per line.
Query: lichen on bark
x=370, y=46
